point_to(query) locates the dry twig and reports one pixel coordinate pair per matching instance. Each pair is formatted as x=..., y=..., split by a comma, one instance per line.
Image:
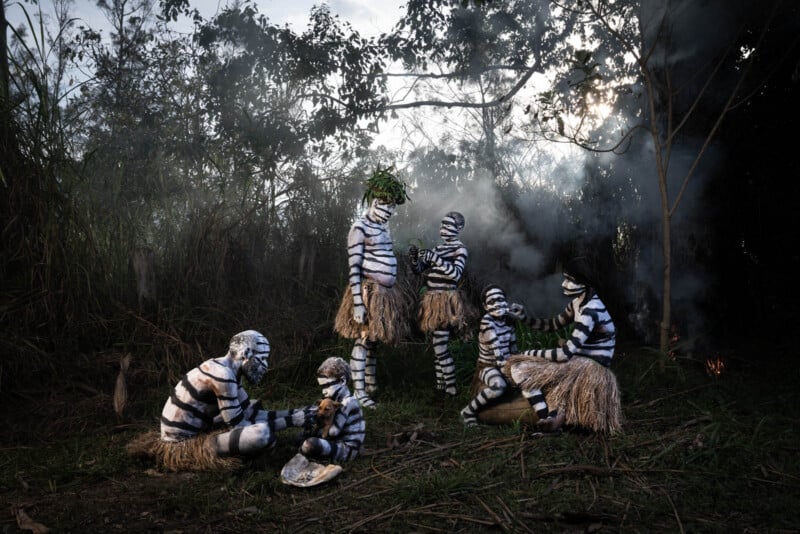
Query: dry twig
x=497, y=519
x=374, y=517
x=674, y=511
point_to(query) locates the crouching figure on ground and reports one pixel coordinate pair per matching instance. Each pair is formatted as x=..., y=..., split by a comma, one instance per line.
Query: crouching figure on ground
x=209, y=420
x=340, y=420
x=337, y=434
x=576, y=375
x=497, y=340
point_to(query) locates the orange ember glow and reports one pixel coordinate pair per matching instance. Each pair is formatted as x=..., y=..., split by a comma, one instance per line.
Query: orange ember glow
x=715, y=366
x=674, y=339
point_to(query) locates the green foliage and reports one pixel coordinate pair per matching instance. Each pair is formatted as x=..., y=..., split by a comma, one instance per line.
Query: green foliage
x=465, y=356
x=528, y=338
x=206, y=162
x=384, y=186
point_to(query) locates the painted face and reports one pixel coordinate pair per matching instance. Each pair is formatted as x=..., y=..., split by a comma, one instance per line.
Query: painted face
x=571, y=287
x=252, y=350
x=330, y=386
x=495, y=303
x=381, y=211
x=449, y=229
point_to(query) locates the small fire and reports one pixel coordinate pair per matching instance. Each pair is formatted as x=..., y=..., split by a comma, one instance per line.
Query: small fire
x=674, y=339
x=715, y=366
x=675, y=334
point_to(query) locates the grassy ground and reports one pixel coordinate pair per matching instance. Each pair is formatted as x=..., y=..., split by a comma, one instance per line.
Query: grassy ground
x=698, y=454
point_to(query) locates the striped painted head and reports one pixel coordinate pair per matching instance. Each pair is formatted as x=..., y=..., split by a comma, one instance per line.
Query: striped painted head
x=381, y=211
x=250, y=350
x=452, y=224
x=576, y=277
x=494, y=301
x=332, y=375
x=571, y=287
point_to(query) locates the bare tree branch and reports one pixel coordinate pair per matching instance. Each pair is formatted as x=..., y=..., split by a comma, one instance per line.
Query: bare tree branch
x=728, y=106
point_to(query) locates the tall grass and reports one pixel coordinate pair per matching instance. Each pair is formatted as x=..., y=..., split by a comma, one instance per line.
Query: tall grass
x=72, y=220
x=45, y=293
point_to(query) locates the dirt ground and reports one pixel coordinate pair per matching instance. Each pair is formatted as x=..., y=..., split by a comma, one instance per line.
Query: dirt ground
x=698, y=454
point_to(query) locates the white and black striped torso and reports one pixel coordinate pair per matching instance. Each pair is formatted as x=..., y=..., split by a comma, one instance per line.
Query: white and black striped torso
x=371, y=253
x=448, y=275
x=594, y=321
x=593, y=336
x=207, y=391
x=497, y=340
x=350, y=422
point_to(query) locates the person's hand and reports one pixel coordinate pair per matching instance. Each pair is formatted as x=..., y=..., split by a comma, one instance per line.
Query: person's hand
x=311, y=410
x=360, y=313
x=517, y=311
x=427, y=255
x=310, y=416
x=413, y=255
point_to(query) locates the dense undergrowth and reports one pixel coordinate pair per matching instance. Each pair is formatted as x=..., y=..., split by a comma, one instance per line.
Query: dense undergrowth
x=698, y=454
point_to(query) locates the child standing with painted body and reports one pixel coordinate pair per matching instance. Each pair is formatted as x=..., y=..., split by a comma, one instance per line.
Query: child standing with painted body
x=444, y=308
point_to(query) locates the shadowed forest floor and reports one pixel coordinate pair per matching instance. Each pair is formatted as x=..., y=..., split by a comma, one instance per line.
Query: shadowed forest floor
x=698, y=454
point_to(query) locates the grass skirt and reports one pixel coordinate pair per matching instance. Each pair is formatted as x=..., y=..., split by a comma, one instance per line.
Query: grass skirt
x=193, y=454
x=388, y=314
x=586, y=391
x=446, y=310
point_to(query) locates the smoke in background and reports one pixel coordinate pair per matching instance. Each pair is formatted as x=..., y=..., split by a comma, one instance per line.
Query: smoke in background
x=509, y=232
x=516, y=233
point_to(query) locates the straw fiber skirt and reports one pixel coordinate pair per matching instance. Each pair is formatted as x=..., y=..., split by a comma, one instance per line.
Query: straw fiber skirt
x=388, y=314
x=586, y=391
x=193, y=454
x=446, y=310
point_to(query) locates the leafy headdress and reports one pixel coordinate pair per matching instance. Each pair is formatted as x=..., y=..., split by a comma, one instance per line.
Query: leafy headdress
x=385, y=186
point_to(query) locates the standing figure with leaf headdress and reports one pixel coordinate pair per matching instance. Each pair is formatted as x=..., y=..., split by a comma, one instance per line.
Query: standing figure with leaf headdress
x=444, y=307
x=373, y=309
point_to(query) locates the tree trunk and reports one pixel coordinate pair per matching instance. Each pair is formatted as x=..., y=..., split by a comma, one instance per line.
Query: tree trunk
x=666, y=305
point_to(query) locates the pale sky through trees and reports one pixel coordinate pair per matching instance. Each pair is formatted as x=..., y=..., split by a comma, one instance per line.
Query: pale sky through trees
x=369, y=17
